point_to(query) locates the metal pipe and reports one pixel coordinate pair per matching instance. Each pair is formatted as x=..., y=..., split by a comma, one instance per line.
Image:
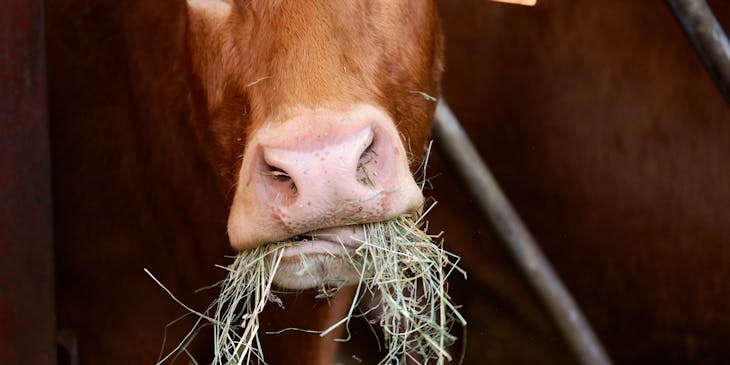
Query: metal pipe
x=708, y=39
x=465, y=159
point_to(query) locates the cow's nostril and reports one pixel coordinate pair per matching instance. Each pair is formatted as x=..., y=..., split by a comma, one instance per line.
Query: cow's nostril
x=281, y=177
x=276, y=173
x=365, y=165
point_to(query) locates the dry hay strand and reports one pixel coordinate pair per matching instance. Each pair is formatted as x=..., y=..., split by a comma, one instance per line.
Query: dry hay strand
x=398, y=263
x=407, y=272
x=244, y=294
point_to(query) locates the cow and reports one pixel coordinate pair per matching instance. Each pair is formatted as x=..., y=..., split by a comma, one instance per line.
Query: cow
x=180, y=128
x=295, y=110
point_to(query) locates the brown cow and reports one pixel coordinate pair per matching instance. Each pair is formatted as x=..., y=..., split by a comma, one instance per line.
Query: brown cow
x=175, y=124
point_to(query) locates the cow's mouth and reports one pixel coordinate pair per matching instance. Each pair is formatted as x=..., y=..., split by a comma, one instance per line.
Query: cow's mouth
x=395, y=260
x=334, y=241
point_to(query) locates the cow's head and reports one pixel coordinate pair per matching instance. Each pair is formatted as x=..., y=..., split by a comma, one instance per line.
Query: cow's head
x=314, y=114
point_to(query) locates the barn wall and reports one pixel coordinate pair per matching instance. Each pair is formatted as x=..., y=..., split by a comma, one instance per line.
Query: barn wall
x=607, y=134
x=26, y=254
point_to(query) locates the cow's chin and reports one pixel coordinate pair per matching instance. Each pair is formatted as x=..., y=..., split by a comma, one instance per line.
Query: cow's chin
x=320, y=259
x=316, y=271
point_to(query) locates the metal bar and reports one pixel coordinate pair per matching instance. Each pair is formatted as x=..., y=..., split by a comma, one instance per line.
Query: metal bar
x=708, y=39
x=27, y=317
x=465, y=159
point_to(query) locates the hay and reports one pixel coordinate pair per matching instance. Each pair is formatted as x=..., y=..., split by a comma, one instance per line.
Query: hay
x=398, y=263
x=402, y=267
x=243, y=296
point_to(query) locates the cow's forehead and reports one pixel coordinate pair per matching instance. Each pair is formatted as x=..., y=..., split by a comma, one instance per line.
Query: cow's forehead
x=337, y=52
x=333, y=52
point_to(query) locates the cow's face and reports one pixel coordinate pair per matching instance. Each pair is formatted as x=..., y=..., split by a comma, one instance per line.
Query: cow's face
x=313, y=113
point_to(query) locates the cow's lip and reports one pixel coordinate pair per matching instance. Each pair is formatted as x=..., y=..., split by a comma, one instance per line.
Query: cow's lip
x=334, y=241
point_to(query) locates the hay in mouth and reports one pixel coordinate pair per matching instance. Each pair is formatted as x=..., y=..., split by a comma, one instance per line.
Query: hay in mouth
x=397, y=262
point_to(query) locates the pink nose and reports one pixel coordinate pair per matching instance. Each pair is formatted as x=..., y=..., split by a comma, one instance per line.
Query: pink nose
x=322, y=169
x=347, y=171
